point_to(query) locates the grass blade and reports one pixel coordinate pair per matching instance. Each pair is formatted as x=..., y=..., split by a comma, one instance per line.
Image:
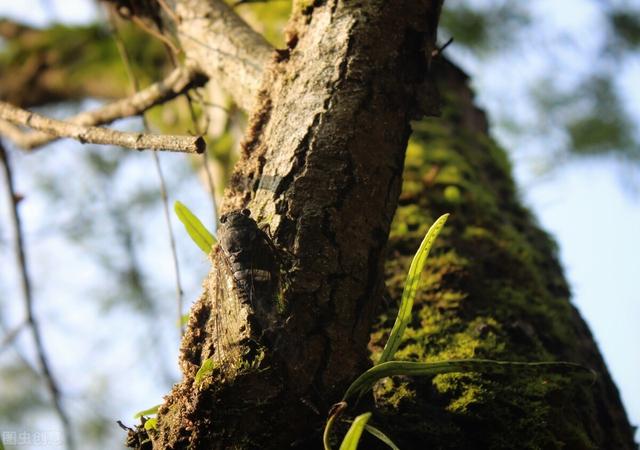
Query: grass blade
x=351, y=439
x=373, y=431
x=410, y=368
x=198, y=233
x=147, y=412
x=410, y=290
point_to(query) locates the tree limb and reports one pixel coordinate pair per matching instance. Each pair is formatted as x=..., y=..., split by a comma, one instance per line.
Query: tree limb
x=27, y=295
x=94, y=135
x=224, y=47
x=176, y=83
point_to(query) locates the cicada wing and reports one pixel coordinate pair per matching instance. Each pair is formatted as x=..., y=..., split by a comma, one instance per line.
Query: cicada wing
x=228, y=319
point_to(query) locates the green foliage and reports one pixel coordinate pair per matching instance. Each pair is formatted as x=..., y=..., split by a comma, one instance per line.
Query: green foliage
x=387, y=368
x=625, y=25
x=373, y=431
x=352, y=438
x=410, y=289
x=147, y=412
x=151, y=424
x=412, y=368
x=196, y=230
x=592, y=115
x=205, y=369
x=487, y=28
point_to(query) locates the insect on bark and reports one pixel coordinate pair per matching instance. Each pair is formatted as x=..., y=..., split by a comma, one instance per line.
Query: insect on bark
x=246, y=279
x=248, y=250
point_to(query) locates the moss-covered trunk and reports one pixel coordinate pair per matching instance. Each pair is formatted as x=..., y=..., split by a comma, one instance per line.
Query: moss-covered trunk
x=322, y=168
x=493, y=289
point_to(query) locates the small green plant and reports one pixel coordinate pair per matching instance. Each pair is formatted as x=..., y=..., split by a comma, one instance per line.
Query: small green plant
x=351, y=439
x=205, y=369
x=147, y=412
x=149, y=423
x=386, y=367
x=196, y=230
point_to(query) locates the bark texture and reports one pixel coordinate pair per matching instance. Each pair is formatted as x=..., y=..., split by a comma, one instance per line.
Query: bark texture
x=494, y=289
x=322, y=167
x=221, y=44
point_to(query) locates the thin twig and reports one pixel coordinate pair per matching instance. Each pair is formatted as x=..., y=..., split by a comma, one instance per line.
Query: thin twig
x=124, y=55
x=205, y=157
x=27, y=294
x=95, y=135
x=439, y=50
x=155, y=33
x=177, y=82
x=11, y=335
x=170, y=12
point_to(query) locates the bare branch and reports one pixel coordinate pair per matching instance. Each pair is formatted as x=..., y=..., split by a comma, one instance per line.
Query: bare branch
x=224, y=47
x=11, y=335
x=27, y=294
x=177, y=82
x=93, y=135
x=126, y=60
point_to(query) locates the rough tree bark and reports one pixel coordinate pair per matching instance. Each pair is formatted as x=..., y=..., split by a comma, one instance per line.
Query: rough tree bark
x=322, y=164
x=327, y=184
x=322, y=169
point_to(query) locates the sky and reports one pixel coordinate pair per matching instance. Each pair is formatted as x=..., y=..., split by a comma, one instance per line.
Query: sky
x=584, y=204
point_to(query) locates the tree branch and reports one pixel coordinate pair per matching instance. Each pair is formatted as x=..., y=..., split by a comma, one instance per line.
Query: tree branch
x=177, y=82
x=28, y=301
x=94, y=135
x=11, y=335
x=224, y=47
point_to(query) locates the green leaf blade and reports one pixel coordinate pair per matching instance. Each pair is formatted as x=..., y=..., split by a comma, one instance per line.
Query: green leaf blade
x=373, y=431
x=196, y=230
x=151, y=424
x=411, y=368
x=411, y=289
x=205, y=369
x=352, y=438
x=147, y=412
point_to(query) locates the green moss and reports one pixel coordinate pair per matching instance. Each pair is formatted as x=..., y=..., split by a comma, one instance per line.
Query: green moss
x=492, y=289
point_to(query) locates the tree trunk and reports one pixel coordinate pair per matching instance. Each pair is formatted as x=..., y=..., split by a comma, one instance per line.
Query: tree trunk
x=494, y=289
x=322, y=173
x=321, y=168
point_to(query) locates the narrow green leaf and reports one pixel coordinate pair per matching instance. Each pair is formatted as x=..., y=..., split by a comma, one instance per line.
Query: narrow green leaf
x=381, y=436
x=151, y=424
x=198, y=233
x=351, y=439
x=410, y=368
x=410, y=290
x=1, y=445
x=147, y=412
x=205, y=369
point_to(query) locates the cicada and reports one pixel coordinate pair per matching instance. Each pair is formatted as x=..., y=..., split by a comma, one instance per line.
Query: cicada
x=244, y=283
